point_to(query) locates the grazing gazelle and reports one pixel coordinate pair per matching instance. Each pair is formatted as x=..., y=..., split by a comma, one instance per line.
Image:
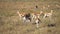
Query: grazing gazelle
x=48, y=14
x=36, y=19
x=36, y=15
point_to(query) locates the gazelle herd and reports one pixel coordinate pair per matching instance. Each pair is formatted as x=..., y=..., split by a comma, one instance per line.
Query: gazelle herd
x=34, y=16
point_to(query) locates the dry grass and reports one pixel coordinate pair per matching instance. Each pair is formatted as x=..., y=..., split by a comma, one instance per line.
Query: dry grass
x=10, y=23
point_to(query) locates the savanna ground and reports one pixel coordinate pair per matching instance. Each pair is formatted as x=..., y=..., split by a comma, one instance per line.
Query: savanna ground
x=11, y=24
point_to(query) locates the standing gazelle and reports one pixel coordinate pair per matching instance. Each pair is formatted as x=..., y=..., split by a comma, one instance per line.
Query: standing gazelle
x=36, y=19
x=48, y=14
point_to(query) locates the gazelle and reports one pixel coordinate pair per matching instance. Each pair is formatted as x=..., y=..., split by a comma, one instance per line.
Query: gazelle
x=48, y=14
x=36, y=19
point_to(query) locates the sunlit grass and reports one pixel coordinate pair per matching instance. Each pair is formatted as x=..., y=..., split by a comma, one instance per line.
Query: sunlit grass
x=11, y=24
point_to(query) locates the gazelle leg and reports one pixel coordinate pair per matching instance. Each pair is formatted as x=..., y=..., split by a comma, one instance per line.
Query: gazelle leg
x=44, y=16
x=37, y=25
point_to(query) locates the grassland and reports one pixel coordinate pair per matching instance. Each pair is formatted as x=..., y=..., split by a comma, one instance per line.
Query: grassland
x=10, y=23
